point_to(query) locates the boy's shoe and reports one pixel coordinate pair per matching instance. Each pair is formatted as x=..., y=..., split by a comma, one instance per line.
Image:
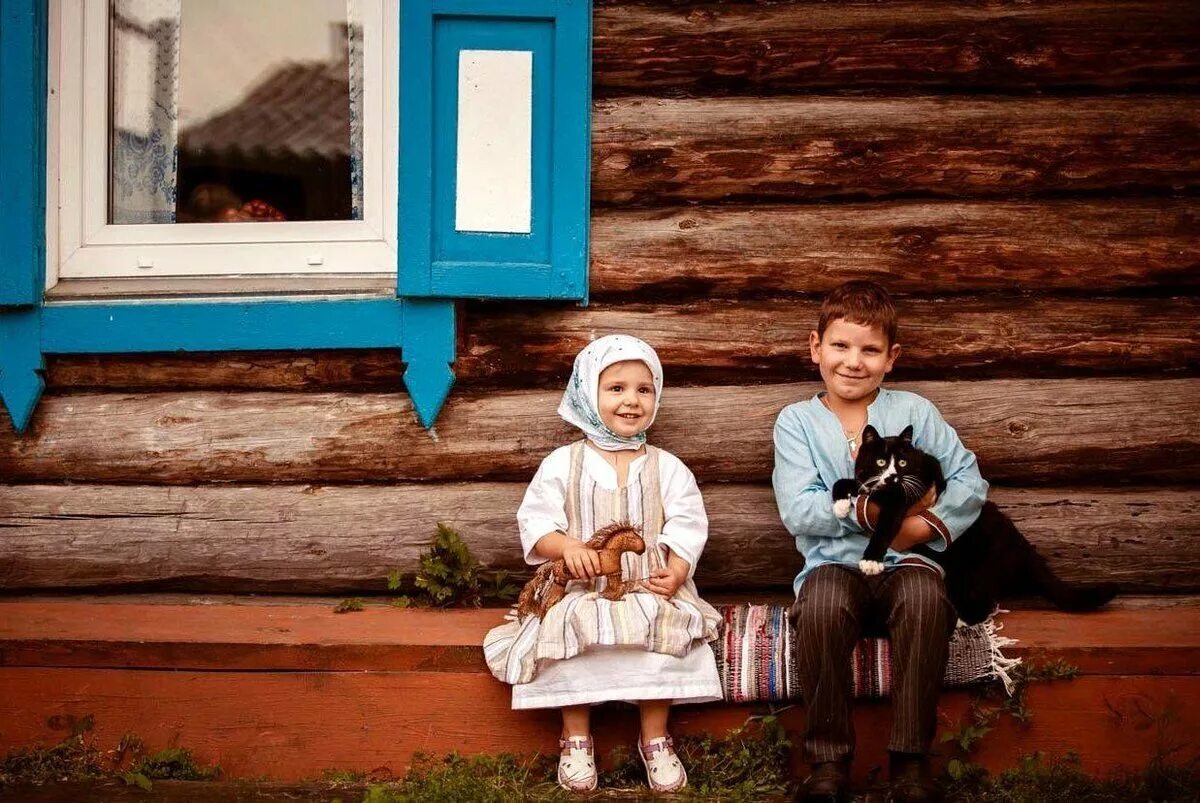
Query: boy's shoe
x=577, y=764
x=829, y=782
x=911, y=780
x=664, y=770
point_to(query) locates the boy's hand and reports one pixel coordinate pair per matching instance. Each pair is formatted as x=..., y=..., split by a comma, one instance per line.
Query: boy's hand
x=920, y=506
x=582, y=562
x=913, y=531
x=924, y=503
x=665, y=582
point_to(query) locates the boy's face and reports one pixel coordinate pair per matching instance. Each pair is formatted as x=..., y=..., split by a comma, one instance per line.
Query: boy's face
x=853, y=358
x=626, y=397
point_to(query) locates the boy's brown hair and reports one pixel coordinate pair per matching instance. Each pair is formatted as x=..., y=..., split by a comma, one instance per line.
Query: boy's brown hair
x=863, y=302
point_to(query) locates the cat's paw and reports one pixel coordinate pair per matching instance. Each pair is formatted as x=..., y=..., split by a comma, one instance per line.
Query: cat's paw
x=841, y=508
x=870, y=567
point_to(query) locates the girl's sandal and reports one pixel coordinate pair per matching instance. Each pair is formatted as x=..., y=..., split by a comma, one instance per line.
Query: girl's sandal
x=577, y=764
x=664, y=770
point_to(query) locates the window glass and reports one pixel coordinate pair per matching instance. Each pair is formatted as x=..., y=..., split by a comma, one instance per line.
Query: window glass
x=235, y=110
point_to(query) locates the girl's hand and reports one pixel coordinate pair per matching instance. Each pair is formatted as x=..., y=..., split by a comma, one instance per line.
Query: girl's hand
x=582, y=561
x=665, y=582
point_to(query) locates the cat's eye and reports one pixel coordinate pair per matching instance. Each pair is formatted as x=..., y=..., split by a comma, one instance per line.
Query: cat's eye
x=902, y=463
x=881, y=463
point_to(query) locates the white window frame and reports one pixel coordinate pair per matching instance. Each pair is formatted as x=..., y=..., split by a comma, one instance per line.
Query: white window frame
x=81, y=244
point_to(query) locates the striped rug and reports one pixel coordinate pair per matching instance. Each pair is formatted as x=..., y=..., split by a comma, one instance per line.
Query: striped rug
x=755, y=657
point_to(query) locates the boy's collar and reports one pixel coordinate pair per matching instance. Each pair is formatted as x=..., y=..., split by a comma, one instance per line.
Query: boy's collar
x=880, y=392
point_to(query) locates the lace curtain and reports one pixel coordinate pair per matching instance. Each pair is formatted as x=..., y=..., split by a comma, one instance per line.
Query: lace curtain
x=354, y=37
x=145, y=53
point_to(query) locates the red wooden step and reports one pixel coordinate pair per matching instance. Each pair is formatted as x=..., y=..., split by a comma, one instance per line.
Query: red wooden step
x=287, y=688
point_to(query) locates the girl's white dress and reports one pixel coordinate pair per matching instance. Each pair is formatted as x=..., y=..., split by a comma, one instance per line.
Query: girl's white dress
x=590, y=650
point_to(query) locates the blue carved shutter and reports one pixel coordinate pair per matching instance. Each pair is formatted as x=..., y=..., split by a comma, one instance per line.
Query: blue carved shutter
x=22, y=153
x=464, y=233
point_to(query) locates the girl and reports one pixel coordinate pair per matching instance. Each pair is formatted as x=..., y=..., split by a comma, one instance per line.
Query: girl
x=651, y=646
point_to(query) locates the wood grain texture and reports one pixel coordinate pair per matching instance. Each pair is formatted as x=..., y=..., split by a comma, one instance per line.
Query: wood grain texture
x=339, y=539
x=368, y=369
x=707, y=47
x=291, y=725
x=149, y=632
x=757, y=341
x=1038, y=432
x=651, y=151
x=699, y=252
x=718, y=341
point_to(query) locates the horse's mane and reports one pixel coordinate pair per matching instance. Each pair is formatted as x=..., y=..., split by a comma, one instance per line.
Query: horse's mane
x=603, y=536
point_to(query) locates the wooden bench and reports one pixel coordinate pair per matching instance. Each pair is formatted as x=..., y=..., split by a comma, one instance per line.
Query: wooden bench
x=286, y=688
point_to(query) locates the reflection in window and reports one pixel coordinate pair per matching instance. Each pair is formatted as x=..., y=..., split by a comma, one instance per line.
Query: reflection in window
x=236, y=110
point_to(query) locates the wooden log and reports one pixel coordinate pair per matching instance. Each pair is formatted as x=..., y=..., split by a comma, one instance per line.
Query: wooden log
x=712, y=342
x=650, y=151
x=736, y=342
x=920, y=248
x=1040, y=432
x=766, y=251
x=759, y=48
x=345, y=539
x=372, y=369
x=296, y=724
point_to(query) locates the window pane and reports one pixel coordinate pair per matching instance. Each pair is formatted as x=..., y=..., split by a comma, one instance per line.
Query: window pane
x=235, y=110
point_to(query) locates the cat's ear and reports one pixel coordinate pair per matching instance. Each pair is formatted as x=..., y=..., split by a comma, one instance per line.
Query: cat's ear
x=906, y=434
x=869, y=434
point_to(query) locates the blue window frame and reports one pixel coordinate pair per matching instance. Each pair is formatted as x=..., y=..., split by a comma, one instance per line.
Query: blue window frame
x=437, y=263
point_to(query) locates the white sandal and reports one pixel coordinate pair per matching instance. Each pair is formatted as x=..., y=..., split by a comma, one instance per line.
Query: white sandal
x=664, y=770
x=577, y=764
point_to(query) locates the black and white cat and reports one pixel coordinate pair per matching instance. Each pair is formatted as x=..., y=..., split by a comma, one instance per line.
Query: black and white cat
x=989, y=561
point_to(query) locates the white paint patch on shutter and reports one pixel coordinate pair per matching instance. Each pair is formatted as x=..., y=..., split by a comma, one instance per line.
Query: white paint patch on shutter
x=495, y=141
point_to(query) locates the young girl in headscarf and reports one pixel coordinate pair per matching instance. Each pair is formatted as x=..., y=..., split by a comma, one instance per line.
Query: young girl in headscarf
x=650, y=647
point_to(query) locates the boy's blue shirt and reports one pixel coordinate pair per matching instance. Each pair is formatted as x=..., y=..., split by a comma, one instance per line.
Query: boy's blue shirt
x=811, y=454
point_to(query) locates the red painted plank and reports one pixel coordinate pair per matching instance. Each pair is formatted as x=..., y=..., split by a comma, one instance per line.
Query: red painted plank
x=1133, y=636
x=297, y=724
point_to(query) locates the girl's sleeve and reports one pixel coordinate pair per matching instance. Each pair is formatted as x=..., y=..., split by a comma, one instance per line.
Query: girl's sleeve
x=966, y=490
x=685, y=522
x=544, y=508
x=805, y=503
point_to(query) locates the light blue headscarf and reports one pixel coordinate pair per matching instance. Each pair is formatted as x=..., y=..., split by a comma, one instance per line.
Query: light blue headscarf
x=579, y=406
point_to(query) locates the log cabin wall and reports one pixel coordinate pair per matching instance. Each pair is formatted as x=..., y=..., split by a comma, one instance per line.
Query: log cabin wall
x=1022, y=175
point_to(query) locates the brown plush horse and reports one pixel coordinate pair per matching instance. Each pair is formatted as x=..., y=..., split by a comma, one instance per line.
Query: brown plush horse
x=549, y=583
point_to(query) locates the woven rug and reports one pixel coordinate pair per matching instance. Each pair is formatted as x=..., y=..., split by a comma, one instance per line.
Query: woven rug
x=755, y=657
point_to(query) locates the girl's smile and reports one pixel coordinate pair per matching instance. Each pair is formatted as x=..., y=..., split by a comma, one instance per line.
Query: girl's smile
x=626, y=397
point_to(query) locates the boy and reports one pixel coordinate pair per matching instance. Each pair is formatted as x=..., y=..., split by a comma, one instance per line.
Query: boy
x=815, y=445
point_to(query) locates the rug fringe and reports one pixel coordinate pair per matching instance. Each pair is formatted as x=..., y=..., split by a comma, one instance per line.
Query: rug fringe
x=1000, y=664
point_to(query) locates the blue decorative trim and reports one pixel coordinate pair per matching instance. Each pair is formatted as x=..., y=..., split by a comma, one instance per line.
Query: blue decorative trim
x=22, y=150
x=86, y=328
x=436, y=259
x=21, y=366
x=429, y=350
x=422, y=330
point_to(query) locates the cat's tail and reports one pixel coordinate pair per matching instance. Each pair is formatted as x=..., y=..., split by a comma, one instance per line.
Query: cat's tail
x=1069, y=596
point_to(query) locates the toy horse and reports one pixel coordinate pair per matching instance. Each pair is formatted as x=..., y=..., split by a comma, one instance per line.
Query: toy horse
x=549, y=583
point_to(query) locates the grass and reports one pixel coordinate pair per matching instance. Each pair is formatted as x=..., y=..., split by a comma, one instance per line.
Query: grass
x=751, y=763
x=1038, y=779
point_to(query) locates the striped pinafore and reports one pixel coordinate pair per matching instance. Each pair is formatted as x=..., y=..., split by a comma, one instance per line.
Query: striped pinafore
x=584, y=623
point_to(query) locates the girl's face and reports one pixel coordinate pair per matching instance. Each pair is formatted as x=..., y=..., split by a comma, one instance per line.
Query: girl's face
x=626, y=397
